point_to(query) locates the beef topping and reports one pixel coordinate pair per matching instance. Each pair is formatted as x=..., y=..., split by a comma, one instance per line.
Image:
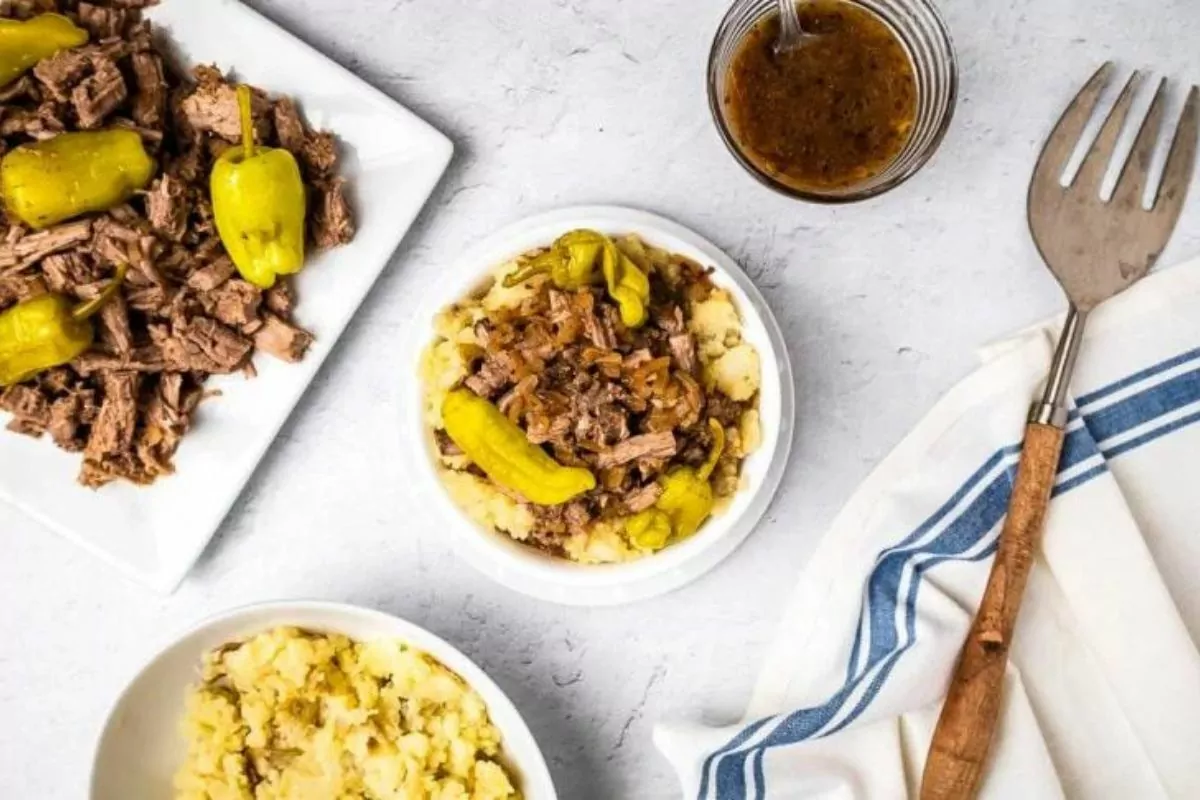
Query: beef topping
x=281, y=298
x=15, y=288
x=65, y=271
x=182, y=313
x=29, y=250
x=100, y=95
x=643, y=498
x=112, y=432
x=333, y=222
x=212, y=275
x=166, y=206
x=212, y=107
x=115, y=330
x=235, y=302
x=648, y=445
x=61, y=73
x=66, y=422
x=282, y=339
x=150, y=103
x=103, y=22
x=626, y=404
x=20, y=88
x=205, y=345
x=30, y=410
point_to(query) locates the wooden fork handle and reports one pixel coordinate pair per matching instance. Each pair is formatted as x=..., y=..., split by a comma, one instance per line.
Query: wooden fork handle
x=964, y=731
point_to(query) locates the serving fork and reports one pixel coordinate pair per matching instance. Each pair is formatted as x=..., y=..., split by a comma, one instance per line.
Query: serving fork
x=1096, y=248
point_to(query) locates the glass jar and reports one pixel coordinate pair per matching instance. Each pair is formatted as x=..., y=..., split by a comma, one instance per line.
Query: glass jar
x=919, y=28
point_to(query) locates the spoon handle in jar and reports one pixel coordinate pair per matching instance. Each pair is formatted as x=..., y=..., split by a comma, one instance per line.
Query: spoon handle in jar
x=790, y=31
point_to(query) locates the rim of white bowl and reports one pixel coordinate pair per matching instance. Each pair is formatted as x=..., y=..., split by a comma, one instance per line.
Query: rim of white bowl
x=518, y=744
x=521, y=568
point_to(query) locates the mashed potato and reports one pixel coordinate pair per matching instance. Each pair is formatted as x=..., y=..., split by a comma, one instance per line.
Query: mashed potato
x=292, y=715
x=487, y=505
x=730, y=365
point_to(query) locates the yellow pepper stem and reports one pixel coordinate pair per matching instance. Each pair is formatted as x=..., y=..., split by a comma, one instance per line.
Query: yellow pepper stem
x=247, y=119
x=92, y=307
x=714, y=455
x=539, y=266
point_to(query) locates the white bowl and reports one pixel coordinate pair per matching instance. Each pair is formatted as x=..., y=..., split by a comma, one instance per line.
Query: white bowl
x=545, y=577
x=141, y=748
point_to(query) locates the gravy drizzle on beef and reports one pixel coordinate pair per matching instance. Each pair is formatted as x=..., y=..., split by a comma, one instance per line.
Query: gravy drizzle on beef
x=182, y=314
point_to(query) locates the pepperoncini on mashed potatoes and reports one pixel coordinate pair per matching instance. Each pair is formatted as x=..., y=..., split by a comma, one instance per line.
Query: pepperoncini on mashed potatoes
x=294, y=715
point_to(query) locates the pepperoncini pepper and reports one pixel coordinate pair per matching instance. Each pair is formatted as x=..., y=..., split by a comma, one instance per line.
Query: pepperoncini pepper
x=259, y=204
x=685, y=503
x=570, y=262
x=497, y=446
x=48, y=331
x=23, y=43
x=626, y=284
x=580, y=258
x=47, y=182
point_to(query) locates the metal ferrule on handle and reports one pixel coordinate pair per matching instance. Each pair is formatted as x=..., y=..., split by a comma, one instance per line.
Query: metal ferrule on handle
x=1052, y=409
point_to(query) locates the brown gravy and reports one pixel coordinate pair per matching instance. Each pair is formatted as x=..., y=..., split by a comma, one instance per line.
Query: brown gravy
x=829, y=114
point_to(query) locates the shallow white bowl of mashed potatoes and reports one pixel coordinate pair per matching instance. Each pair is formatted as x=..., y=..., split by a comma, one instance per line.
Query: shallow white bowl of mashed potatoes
x=524, y=568
x=455, y=735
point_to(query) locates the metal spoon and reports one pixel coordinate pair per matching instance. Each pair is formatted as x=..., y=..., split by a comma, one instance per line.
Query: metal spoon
x=791, y=35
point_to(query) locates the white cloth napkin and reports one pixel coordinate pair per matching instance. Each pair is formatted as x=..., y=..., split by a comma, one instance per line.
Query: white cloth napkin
x=1103, y=695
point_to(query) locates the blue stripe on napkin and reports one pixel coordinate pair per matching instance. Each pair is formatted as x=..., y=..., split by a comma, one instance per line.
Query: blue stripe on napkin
x=883, y=634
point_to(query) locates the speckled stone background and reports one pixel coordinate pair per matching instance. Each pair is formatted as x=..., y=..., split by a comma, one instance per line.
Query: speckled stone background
x=556, y=102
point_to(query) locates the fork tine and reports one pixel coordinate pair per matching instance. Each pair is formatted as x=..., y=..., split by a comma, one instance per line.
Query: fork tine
x=1065, y=136
x=1177, y=174
x=1135, y=174
x=1095, y=164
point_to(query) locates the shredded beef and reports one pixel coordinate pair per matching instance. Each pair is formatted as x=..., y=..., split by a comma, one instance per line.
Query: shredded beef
x=205, y=345
x=683, y=350
x=289, y=127
x=103, y=22
x=648, y=445
x=20, y=88
x=144, y=358
x=491, y=377
x=212, y=275
x=15, y=288
x=61, y=73
x=150, y=103
x=316, y=150
x=333, y=222
x=281, y=298
x=182, y=313
x=643, y=498
x=235, y=302
x=320, y=155
x=168, y=417
x=626, y=404
x=28, y=250
x=212, y=107
x=66, y=421
x=282, y=339
x=166, y=206
x=42, y=122
x=65, y=271
x=115, y=329
x=112, y=432
x=30, y=410
x=100, y=95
